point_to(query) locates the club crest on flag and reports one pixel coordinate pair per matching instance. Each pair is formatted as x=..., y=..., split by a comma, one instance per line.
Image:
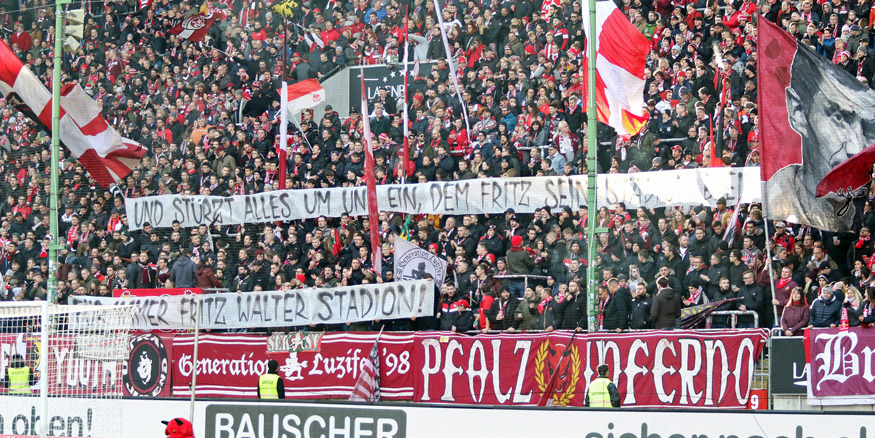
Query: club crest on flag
x=194, y=22
x=549, y=356
x=411, y=262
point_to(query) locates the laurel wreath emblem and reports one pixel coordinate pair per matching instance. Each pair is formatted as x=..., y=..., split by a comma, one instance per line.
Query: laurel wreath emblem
x=541, y=377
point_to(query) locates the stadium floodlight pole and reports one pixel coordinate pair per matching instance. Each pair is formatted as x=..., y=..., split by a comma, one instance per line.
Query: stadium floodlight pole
x=56, y=145
x=592, y=144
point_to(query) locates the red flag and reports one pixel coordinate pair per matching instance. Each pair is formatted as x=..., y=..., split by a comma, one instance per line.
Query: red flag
x=304, y=95
x=820, y=120
x=102, y=151
x=367, y=387
x=373, y=214
x=712, y=148
x=194, y=28
x=621, y=57
x=850, y=176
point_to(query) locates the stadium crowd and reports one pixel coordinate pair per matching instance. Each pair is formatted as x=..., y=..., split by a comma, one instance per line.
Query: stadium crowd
x=520, y=74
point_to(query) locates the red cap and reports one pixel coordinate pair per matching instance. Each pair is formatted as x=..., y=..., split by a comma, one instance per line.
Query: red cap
x=516, y=240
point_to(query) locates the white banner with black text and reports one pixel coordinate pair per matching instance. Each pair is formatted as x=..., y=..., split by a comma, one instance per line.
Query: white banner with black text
x=687, y=187
x=298, y=307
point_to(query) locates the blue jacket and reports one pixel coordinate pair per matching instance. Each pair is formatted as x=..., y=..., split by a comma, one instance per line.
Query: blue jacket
x=824, y=313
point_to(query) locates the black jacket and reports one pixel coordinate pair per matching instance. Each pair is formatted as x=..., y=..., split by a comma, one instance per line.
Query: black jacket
x=463, y=321
x=574, y=312
x=752, y=297
x=507, y=310
x=615, y=313
x=641, y=313
x=666, y=309
x=551, y=317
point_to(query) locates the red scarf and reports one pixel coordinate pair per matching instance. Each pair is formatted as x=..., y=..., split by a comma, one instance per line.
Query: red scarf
x=694, y=297
x=783, y=282
x=543, y=304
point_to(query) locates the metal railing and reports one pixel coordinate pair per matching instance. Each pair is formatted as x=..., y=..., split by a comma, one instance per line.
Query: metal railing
x=733, y=317
x=524, y=277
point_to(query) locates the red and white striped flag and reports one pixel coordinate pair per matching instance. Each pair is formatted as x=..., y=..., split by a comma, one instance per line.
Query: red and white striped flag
x=371, y=181
x=622, y=53
x=102, y=151
x=194, y=28
x=367, y=387
x=304, y=95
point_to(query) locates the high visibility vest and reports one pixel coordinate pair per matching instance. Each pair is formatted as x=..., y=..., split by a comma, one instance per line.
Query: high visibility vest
x=599, y=396
x=19, y=380
x=267, y=386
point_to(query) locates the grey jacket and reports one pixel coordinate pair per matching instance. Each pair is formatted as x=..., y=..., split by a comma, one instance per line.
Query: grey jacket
x=184, y=273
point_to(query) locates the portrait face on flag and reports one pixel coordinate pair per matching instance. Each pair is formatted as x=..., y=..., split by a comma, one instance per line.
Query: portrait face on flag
x=832, y=111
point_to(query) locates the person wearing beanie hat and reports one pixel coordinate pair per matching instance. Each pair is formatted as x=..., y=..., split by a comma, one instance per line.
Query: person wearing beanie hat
x=516, y=241
x=519, y=262
x=270, y=384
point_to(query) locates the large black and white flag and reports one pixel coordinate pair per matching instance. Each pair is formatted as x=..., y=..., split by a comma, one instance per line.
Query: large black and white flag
x=412, y=261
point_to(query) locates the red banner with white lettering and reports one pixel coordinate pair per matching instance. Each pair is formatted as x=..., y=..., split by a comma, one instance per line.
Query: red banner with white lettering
x=119, y=293
x=842, y=370
x=650, y=369
x=676, y=368
x=229, y=365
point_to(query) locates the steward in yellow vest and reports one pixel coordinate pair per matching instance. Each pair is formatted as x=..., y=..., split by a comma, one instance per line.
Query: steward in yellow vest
x=602, y=393
x=270, y=385
x=19, y=377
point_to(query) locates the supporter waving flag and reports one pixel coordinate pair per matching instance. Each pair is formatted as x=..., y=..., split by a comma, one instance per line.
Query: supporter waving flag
x=102, y=151
x=818, y=122
x=621, y=56
x=304, y=95
x=195, y=27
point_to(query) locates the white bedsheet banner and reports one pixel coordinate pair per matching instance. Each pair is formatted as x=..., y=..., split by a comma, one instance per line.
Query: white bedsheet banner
x=476, y=196
x=401, y=299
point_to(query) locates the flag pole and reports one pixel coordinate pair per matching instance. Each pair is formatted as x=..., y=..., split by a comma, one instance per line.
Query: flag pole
x=451, y=63
x=768, y=261
x=591, y=141
x=284, y=112
x=405, y=153
x=56, y=145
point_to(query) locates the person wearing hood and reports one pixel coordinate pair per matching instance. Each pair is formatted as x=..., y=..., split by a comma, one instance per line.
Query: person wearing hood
x=666, y=306
x=184, y=271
